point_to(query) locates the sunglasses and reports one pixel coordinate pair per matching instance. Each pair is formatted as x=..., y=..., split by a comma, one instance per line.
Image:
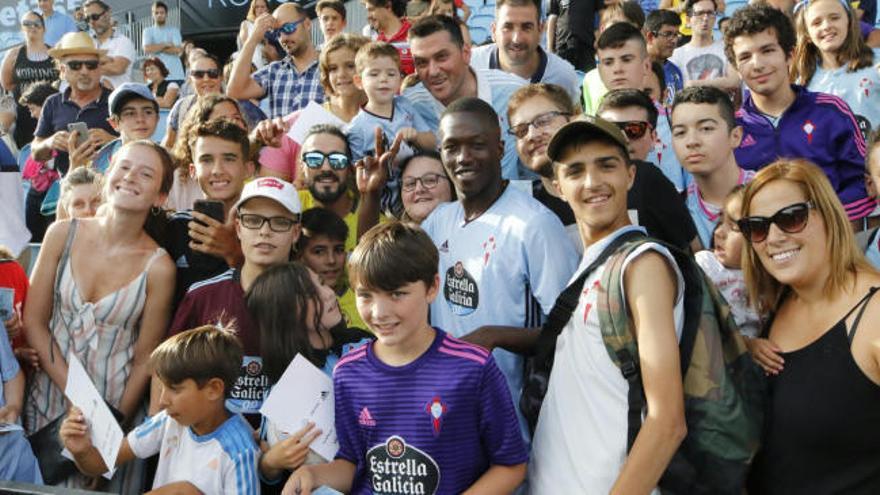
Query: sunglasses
x=519, y=131
x=200, y=74
x=31, y=24
x=76, y=65
x=276, y=224
x=95, y=17
x=634, y=129
x=315, y=160
x=288, y=27
x=791, y=220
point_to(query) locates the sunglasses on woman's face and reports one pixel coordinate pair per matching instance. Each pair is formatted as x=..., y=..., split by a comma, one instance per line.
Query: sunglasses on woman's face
x=31, y=24
x=200, y=74
x=634, y=129
x=791, y=220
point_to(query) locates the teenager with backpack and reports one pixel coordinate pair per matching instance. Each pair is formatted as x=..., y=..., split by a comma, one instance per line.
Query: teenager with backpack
x=593, y=172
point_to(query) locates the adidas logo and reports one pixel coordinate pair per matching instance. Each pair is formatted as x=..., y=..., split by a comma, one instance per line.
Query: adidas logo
x=182, y=262
x=365, y=418
x=748, y=141
x=444, y=248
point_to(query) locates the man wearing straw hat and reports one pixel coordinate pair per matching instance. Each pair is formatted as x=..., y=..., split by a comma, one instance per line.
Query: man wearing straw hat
x=85, y=100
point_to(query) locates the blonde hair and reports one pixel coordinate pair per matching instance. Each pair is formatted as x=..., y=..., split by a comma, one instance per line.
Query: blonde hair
x=844, y=256
x=353, y=42
x=853, y=53
x=250, y=14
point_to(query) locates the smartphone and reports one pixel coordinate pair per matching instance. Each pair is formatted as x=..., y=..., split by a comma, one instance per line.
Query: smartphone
x=81, y=130
x=210, y=207
x=7, y=302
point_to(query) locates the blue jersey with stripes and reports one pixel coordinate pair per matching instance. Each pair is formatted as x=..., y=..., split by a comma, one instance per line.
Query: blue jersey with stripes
x=434, y=425
x=221, y=462
x=860, y=90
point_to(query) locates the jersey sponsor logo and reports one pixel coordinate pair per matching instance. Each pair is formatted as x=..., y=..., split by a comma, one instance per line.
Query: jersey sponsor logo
x=365, y=418
x=436, y=408
x=747, y=141
x=400, y=469
x=460, y=290
x=250, y=388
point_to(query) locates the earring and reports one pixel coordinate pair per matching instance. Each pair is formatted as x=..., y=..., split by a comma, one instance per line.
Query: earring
x=155, y=211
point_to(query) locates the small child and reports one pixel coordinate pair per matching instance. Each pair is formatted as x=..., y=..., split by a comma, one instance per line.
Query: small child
x=17, y=461
x=417, y=411
x=378, y=74
x=723, y=264
x=80, y=193
x=201, y=445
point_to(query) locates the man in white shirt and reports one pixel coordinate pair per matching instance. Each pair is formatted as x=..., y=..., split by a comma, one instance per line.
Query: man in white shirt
x=517, y=34
x=120, y=50
x=165, y=42
x=702, y=60
x=580, y=442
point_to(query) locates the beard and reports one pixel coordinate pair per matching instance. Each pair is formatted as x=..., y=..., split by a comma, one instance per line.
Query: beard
x=327, y=196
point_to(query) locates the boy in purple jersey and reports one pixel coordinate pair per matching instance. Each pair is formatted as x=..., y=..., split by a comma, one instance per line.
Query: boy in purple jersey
x=417, y=411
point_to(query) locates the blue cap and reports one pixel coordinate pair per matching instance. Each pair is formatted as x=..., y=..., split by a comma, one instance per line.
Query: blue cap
x=127, y=91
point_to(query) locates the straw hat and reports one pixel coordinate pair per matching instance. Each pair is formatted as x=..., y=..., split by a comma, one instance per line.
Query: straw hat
x=75, y=43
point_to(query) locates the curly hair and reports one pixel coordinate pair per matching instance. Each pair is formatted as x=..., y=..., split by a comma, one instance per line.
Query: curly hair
x=757, y=18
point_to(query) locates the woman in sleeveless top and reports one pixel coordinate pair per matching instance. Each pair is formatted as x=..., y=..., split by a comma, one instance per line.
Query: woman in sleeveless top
x=26, y=65
x=164, y=90
x=823, y=343
x=102, y=289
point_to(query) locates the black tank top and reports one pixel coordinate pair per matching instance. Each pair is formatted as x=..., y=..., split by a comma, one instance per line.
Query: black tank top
x=26, y=71
x=823, y=428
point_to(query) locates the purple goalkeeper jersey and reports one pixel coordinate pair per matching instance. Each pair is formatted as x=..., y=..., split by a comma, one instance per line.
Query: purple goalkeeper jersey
x=432, y=426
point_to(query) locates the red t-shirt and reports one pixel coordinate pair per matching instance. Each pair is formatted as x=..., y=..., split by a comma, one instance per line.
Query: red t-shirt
x=399, y=40
x=12, y=275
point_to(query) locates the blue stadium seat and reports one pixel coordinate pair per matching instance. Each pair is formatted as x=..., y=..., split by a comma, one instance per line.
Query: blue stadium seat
x=479, y=35
x=23, y=156
x=481, y=21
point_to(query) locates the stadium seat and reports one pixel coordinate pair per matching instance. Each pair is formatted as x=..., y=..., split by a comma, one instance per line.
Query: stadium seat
x=479, y=35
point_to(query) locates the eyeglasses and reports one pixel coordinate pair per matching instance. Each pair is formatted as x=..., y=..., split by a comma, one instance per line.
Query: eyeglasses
x=31, y=24
x=541, y=121
x=289, y=27
x=276, y=224
x=704, y=14
x=76, y=65
x=315, y=159
x=428, y=181
x=667, y=34
x=200, y=74
x=634, y=129
x=95, y=17
x=791, y=219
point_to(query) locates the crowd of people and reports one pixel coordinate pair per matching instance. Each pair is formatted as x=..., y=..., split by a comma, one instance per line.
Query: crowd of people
x=498, y=253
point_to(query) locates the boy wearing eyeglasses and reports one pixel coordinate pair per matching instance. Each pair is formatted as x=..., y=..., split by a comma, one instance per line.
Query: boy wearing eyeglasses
x=702, y=59
x=266, y=218
x=378, y=74
x=704, y=135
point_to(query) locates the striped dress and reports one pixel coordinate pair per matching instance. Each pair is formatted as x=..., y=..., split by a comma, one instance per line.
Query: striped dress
x=101, y=334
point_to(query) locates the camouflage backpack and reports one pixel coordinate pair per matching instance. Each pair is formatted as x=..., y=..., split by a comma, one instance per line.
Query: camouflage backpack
x=723, y=388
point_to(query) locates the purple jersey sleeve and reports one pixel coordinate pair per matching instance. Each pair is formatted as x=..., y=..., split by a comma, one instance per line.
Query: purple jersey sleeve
x=499, y=427
x=850, y=166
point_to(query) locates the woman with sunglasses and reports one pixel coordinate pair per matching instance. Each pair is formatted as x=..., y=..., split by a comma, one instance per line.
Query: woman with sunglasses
x=205, y=78
x=343, y=99
x=25, y=65
x=804, y=269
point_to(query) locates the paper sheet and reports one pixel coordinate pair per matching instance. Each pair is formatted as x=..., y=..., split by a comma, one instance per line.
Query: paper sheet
x=105, y=431
x=313, y=114
x=303, y=394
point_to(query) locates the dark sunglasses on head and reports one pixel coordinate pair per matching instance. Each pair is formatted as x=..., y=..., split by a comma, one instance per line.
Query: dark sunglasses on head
x=210, y=73
x=31, y=24
x=315, y=159
x=634, y=129
x=77, y=64
x=95, y=17
x=288, y=27
x=791, y=219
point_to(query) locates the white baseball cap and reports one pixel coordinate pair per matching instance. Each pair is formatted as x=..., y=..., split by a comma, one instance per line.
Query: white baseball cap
x=273, y=188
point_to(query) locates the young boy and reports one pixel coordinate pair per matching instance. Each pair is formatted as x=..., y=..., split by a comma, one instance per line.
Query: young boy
x=378, y=74
x=202, y=446
x=321, y=247
x=134, y=114
x=417, y=411
x=17, y=461
x=705, y=135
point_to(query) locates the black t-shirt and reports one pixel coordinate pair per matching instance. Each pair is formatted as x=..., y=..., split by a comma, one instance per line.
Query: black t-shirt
x=574, y=24
x=661, y=209
x=191, y=266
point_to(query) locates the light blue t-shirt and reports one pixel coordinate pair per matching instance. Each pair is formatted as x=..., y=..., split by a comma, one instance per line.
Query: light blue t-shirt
x=57, y=25
x=707, y=215
x=361, y=130
x=494, y=87
x=859, y=89
x=663, y=155
x=166, y=34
